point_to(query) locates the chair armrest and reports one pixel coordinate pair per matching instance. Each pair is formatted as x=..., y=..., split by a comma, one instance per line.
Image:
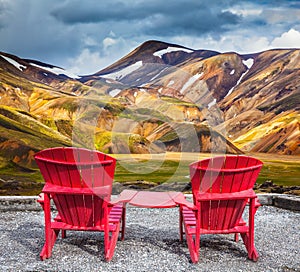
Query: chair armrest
x=226, y=196
x=124, y=197
x=41, y=198
x=257, y=203
x=180, y=199
x=102, y=191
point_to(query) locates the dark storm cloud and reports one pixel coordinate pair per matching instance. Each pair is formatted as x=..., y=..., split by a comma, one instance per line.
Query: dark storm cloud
x=194, y=22
x=90, y=34
x=3, y=11
x=164, y=18
x=29, y=31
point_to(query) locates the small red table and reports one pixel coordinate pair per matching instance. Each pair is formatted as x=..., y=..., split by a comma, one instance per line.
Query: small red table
x=147, y=199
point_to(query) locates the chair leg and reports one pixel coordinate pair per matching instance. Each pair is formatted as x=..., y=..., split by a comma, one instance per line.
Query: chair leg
x=111, y=243
x=180, y=224
x=123, y=222
x=236, y=235
x=49, y=243
x=50, y=234
x=248, y=238
x=192, y=233
x=252, y=252
x=112, y=229
x=194, y=251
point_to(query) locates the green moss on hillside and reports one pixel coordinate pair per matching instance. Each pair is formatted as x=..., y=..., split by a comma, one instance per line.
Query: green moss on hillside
x=175, y=101
x=70, y=105
x=141, y=114
x=118, y=142
x=12, y=119
x=102, y=139
x=152, y=171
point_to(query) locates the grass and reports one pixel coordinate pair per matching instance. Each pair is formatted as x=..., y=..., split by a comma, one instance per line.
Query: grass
x=151, y=171
x=13, y=119
x=281, y=173
x=20, y=181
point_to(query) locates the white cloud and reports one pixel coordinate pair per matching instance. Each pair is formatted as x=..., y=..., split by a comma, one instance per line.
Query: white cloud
x=239, y=42
x=277, y=15
x=107, y=42
x=290, y=39
x=112, y=34
x=90, y=62
x=245, y=11
x=242, y=41
x=87, y=61
x=253, y=44
x=89, y=41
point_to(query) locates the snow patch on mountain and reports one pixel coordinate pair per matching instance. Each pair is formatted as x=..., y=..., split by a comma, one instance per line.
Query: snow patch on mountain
x=114, y=92
x=157, y=75
x=214, y=102
x=124, y=72
x=238, y=82
x=248, y=62
x=56, y=70
x=190, y=82
x=14, y=63
x=170, y=83
x=160, y=53
x=109, y=81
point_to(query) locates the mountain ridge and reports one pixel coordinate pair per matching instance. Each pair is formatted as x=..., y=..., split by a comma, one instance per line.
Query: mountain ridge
x=229, y=99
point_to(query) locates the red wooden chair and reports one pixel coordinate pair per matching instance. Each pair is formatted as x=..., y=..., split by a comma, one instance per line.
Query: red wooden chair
x=79, y=181
x=221, y=186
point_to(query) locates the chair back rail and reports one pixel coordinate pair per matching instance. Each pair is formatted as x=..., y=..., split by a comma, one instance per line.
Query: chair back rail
x=223, y=174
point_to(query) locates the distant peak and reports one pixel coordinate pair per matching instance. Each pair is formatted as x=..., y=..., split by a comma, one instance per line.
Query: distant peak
x=159, y=45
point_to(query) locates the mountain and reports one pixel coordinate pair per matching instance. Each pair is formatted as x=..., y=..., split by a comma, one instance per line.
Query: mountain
x=262, y=112
x=159, y=97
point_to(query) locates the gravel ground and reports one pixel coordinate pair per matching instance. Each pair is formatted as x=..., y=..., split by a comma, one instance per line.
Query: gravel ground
x=151, y=244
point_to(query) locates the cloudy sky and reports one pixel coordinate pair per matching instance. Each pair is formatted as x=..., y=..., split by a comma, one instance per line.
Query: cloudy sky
x=86, y=36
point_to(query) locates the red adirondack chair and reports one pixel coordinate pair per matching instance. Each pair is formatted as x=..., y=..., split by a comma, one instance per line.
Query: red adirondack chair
x=221, y=186
x=79, y=181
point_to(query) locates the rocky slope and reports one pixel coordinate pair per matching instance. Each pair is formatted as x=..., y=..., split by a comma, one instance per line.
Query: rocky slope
x=262, y=112
x=159, y=97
